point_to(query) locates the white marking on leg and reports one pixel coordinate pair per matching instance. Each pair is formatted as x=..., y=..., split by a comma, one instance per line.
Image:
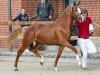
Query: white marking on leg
x=56, y=69
x=78, y=59
x=42, y=59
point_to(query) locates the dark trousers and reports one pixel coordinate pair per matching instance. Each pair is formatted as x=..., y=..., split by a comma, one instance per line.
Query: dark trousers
x=31, y=46
x=44, y=19
x=73, y=42
x=43, y=47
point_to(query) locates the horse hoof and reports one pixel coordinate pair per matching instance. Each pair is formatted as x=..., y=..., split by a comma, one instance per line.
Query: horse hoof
x=56, y=69
x=16, y=69
x=41, y=63
x=80, y=66
x=79, y=63
x=85, y=68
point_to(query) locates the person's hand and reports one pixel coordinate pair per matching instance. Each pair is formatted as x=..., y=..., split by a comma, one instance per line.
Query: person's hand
x=50, y=17
x=9, y=22
x=96, y=24
x=91, y=33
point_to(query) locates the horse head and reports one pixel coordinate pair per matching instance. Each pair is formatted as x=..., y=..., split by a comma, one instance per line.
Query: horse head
x=76, y=11
x=72, y=11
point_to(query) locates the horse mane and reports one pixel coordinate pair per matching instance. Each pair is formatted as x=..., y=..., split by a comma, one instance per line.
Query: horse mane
x=64, y=13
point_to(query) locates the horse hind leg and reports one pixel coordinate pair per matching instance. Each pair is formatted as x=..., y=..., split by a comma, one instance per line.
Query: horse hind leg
x=21, y=50
x=35, y=51
x=74, y=50
x=19, y=53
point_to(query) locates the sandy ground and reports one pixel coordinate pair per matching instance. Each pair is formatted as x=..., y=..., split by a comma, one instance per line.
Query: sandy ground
x=34, y=68
x=29, y=64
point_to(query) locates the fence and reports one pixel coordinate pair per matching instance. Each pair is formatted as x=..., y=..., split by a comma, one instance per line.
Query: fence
x=5, y=23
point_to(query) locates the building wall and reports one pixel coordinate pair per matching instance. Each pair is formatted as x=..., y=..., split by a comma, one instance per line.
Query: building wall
x=93, y=7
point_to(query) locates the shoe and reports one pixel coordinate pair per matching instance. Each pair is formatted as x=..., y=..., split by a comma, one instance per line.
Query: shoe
x=84, y=68
x=26, y=50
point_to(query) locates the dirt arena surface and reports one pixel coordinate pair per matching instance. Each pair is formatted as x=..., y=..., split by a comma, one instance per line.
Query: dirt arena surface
x=29, y=64
x=34, y=68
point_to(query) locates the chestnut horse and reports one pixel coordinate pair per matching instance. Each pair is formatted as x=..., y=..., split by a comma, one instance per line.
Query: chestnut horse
x=56, y=33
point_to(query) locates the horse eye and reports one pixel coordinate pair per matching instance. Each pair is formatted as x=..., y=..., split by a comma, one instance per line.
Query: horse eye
x=75, y=10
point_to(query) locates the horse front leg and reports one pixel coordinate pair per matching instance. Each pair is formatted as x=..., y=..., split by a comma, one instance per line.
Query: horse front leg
x=57, y=57
x=35, y=51
x=19, y=53
x=75, y=51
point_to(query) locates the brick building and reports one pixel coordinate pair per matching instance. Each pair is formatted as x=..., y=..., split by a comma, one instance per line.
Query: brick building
x=93, y=7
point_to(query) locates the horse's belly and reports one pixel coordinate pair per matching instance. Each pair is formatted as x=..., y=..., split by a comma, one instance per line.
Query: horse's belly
x=48, y=41
x=51, y=42
x=47, y=37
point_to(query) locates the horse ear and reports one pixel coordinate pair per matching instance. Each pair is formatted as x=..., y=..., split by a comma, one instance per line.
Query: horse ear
x=78, y=3
x=74, y=3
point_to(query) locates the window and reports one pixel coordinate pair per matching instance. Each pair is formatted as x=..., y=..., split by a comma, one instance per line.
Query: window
x=68, y=2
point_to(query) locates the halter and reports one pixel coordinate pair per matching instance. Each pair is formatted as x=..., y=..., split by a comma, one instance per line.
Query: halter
x=79, y=10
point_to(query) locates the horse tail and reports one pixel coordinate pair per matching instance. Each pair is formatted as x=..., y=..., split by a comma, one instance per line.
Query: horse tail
x=13, y=36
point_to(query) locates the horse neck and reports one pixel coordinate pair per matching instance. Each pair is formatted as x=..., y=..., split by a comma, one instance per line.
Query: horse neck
x=66, y=21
